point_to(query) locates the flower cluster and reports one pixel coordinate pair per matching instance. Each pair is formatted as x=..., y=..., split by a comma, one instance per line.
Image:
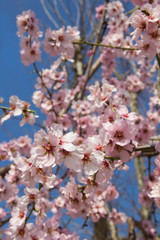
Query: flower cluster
x=60, y=42
x=29, y=32
x=91, y=132
x=18, y=107
x=147, y=32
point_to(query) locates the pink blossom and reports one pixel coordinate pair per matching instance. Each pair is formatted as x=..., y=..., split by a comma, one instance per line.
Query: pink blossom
x=155, y=191
x=91, y=159
x=90, y=52
x=72, y=160
x=32, y=194
x=147, y=225
x=45, y=150
x=134, y=84
x=2, y=213
x=115, y=9
x=50, y=228
x=157, y=147
x=99, y=11
x=27, y=22
x=28, y=118
x=18, y=215
x=144, y=199
x=111, y=193
x=15, y=108
x=99, y=95
x=74, y=32
x=119, y=132
x=98, y=210
x=37, y=98
x=139, y=22
x=49, y=44
x=59, y=42
x=117, y=217
x=31, y=54
x=147, y=48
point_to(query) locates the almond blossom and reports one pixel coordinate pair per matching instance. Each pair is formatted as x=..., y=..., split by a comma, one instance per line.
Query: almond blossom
x=15, y=108
x=45, y=150
x=120, y=132
x=92, y=131
x=60, y=42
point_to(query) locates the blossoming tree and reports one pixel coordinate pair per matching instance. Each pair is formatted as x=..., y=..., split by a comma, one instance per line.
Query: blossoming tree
x=94, y=131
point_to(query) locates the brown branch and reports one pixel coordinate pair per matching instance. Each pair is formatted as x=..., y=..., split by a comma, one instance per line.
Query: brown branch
x=139, y=165
x=95, y=66
x=158, y=77
x=94, y=50
x=131, y=231
x=4, y=221
x=101, y=229
x=141, y=228
x=145, y=148
x=104, y=45
x=5, y=170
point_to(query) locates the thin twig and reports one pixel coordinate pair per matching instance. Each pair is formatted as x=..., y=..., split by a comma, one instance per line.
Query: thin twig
x=94, y=49
x=48, y=14
x=104, y=45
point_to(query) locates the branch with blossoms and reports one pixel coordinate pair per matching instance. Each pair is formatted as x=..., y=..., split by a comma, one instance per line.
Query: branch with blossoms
x=17, y=108
x=93, y=127
x=146, y=150
x=103, y=45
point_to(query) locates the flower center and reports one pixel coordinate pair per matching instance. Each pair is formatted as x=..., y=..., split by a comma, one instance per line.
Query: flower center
x=61, y=38
x=65, y=152
x=99, y=148
x=49, y=149
x=21, y=215
x=21, y=232
x=119, y=135
x=32, y=196
x=105, y=164
x=86, y=158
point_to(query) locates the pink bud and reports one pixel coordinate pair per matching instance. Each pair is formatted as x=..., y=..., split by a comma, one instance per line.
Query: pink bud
x=90, y=52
